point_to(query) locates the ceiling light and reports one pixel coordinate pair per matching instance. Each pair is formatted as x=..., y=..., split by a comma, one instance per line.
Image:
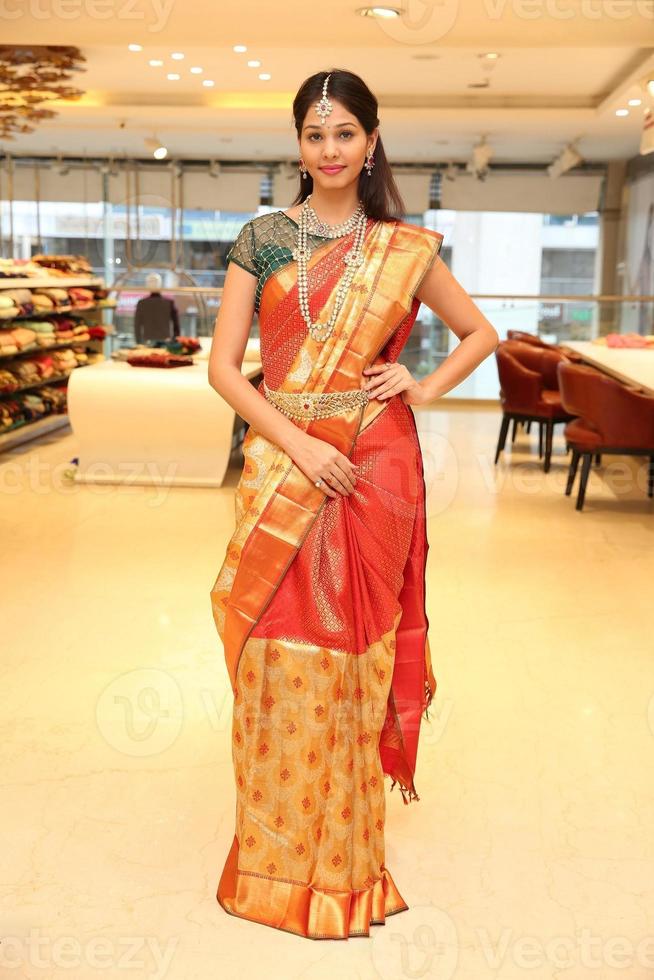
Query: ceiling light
x=264, y=76
x=382, y=12
x=156, y=147
x=177, y=56
x=634, y=102
x=156, y=62
x=239, y=48
x=490, y=55
x=208, y=83
x=254, y=64
x=214, y=168
x=135, y=47
x=172, y=77
x=650, y=86
x=481, y=154
x=622, y=112
x=196, y=70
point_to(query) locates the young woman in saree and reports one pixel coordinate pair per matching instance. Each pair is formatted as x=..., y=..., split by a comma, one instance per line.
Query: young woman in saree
x=320, y=600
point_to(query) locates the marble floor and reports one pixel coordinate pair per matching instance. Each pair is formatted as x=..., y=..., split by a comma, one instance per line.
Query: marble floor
x=531, y=851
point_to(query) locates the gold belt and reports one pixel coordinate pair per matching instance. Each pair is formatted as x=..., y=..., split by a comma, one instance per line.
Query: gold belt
x=315, y=405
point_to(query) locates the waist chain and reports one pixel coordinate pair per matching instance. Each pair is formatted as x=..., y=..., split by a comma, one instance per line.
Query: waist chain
x=315, y=405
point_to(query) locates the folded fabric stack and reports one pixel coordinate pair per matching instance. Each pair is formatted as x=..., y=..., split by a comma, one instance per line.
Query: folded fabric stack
x=96, y=332
x=8, y=308
x=16, y=340
x=41, y=302
x=58, y=296
x=21, y=299
x=630, y=340
x=26, y=371
x=80, y=297
x=64, y=265
x=80, y=331
x=11, y=414
x=8, y=381
x=45, y=365
x=159, y=359
x=64, y=328
x=45, y=332
x=64, y=360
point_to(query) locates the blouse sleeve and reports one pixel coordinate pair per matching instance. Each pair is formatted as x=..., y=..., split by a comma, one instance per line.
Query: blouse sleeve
x=243, y=250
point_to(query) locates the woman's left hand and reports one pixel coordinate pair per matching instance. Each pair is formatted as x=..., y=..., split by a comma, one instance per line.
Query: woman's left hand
x=393, y=379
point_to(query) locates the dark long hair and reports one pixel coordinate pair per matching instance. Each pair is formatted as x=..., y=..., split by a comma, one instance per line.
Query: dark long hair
x=379, y=192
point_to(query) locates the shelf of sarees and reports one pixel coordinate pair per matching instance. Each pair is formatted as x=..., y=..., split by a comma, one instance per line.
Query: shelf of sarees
x=25, y=429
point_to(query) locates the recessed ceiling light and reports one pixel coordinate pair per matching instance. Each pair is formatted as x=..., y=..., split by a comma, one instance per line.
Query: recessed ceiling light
x=634, y=102
x=172, y=77
x=208, y=83
x=264, y=76
x=490, y=54
x=382, y=12
x=135, y=47
x=177, y=56
x=239, y=48
x=156, y=62
x=196, y=70
x=254, y=64
x=650, y=86
x=622, y=112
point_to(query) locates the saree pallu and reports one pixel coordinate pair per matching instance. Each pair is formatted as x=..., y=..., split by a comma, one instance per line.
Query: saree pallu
x=320, y=605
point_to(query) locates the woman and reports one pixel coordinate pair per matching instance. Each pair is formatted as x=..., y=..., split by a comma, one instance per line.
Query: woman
x=320, y=601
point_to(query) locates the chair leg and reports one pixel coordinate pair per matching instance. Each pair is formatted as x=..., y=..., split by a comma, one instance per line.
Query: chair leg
x=540, y=440
x=514, y=430
x=598, y=459
x=585, y=470
x=650, y=478
x=529, y=426
x=549, y=430
x=572, y=472
x=501, y=442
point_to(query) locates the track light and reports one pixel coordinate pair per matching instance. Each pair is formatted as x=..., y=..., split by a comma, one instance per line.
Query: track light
x=156, y=147
x=566, y=160
x=481, y=154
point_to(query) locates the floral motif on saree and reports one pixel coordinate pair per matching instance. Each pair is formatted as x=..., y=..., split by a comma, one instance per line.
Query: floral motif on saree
x=320, y=605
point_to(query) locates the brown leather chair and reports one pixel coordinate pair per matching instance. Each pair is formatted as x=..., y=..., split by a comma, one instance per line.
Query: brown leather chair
x=527, y=338
x=529, y=392
x=535, y=341
x=612, y=418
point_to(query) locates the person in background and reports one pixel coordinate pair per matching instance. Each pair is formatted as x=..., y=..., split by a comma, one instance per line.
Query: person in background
x=155, y=313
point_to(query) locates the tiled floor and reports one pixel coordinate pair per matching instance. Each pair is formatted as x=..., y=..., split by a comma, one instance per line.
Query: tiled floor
x=531, y=851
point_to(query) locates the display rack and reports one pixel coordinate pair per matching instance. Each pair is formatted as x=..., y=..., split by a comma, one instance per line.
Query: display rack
x=27, y=430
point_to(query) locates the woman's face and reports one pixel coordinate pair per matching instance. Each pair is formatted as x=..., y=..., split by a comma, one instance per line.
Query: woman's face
x=341, y=141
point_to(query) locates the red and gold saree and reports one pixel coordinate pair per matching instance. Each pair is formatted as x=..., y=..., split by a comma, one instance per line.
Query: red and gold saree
x=320, y=605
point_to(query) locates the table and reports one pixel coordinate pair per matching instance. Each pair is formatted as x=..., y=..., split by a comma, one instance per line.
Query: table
x=151, y=426
x=634, y=366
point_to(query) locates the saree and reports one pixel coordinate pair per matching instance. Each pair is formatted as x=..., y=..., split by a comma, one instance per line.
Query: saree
x=320, y=603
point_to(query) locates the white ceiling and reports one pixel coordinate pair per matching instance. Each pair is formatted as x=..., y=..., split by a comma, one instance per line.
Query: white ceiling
x=564, y=68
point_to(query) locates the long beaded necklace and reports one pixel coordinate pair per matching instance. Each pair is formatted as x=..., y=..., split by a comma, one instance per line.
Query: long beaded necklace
x=321, y=331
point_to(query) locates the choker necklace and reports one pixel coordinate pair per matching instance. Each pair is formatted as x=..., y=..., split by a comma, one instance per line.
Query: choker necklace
x=319, y=227
x=320, y=331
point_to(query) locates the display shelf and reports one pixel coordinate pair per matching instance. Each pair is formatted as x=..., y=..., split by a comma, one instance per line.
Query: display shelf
x=20, y=433
x=41, y=383
x=60, y=311
x=24, y=431
x=50, y=282
x=44, y=349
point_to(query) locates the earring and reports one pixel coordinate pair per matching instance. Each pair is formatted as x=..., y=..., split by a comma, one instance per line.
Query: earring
x=370, y=163
x=303, y=169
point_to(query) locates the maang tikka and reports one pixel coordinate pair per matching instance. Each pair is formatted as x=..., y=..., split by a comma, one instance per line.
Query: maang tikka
x=323, y=108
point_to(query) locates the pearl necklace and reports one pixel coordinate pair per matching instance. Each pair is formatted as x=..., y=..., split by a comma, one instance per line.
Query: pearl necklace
x=321, y=331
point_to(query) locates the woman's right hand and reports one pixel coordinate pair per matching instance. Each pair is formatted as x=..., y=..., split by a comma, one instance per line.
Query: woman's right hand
x=319, y=459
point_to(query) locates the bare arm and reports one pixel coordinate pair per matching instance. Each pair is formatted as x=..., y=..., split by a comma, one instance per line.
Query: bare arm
x=226, y=356
x=443, y=294
x=315, y=457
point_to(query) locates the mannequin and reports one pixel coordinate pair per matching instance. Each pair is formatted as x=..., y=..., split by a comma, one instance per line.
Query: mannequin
x=155, y=313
